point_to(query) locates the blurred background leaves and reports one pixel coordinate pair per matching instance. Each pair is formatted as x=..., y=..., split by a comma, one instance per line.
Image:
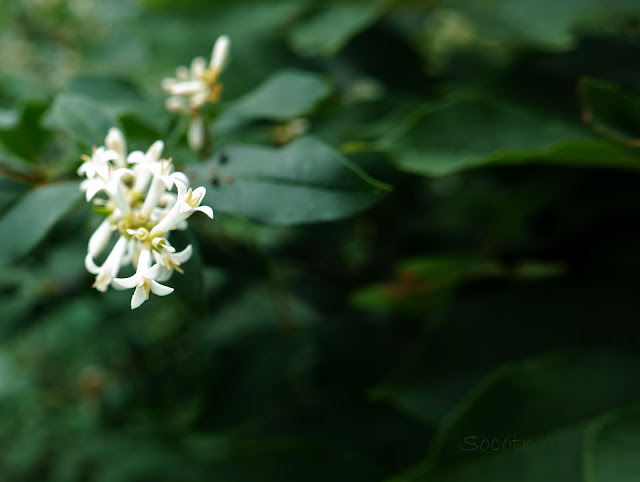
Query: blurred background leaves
x=426, y=241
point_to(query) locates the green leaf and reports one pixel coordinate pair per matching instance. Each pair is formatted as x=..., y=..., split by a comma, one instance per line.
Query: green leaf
x=9, y=118
x=611, y=111
x=612, y=448
x=531, y=400
x=81, y=116
x=9, y=192
x=123, y=100
x=419, y=281
x=22, y=133
x=285, y=95
x=295, y=459
x=32, y=216
x=108, y=89
x=544, y=22
x=303, y=182
x=555, y=456
x=470, y=131
x=328, y=31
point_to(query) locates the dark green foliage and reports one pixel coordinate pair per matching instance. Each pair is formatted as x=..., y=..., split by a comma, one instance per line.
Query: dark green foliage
x=424, y=263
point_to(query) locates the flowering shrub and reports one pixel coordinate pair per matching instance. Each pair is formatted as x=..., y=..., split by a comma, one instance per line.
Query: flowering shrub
x=423, y=264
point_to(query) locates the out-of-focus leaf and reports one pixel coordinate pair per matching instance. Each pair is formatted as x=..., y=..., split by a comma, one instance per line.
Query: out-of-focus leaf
x=304, y=182
x=555, y=392
x=26, y=136
x=122, y=100
x=20, y=86
x=259, y=236
x=329, y=30
x=612, y=448
x=419, y=280
x=29, y=220
x=9, y=192
x=555, y=456
x=84, y=118
x=257, y=312
x=611, y=111
x=472, y=131
x=105, y=88
x=295, y=459
x=8, y=118
x=285, y=95
x=543, y=22
x=268, y=331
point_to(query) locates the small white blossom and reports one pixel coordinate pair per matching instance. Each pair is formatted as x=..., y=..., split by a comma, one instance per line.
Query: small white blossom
x=170, y=262
x=109, y=269
x=144, y=280
x=116, y=142
x=196, y=86
x=188, y=202
x=134, y=190
x=98, y=164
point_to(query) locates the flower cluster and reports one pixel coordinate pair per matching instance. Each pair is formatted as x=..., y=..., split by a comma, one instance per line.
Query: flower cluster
x=141, y=209
x=196, y=86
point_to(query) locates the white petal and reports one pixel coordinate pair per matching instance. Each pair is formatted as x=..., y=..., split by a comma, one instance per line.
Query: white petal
x=164, y=274
x=182, y=73
x=206, y=210
x=186, y=88
x=158, y=289
x=85, y=169
x=185, y=208
x=103, y=155
x=182, y=188
x=100, y=238
x=199, y=98
x=196, y=133
x=125, y=283
x=199, y=193
x=167, y=83
x=144, y=261
x=167, y=181
x=220, y=52
x=198, y=66
x=138, y=297
x=175, y=104
x=136, y=157
x=155, y=151
x=91, y=266
x=181, y=176
x=93, y=187
x=183, y=256
x=115, y=141
x=152, y=272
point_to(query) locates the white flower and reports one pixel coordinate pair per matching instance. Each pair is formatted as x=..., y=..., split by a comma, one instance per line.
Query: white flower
x=141, y=208
x=143, y=281
x=116, y=142
x=170, y=262
x=143, y=162
x=98, y=164
x=196, y=86
x=100, y=238
x=109, y=269
x=188, y=202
